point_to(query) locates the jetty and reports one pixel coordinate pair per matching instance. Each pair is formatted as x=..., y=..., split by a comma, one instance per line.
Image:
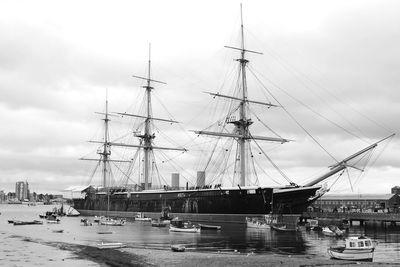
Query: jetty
x=360, y=217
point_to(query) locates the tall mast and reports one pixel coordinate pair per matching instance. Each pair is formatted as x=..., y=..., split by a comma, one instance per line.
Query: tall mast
x=148, y=137
x=243, y=122
x=241, y=132
x=106, y=151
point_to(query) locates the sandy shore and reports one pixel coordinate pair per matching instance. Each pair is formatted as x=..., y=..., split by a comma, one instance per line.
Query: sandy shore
x=130, y=256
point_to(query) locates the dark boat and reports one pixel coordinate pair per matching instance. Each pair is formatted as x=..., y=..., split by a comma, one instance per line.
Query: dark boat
x=283, y=228
x=27, y=222
x=209, y=227
x=207, y=202
x=178, y=248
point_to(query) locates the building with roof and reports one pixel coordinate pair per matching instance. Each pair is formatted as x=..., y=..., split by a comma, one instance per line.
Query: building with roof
x=358, y=203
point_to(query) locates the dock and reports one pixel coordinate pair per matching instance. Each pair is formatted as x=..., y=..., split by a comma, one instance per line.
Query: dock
x=361, y=217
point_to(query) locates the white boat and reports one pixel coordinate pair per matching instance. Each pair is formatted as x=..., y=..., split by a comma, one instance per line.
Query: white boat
x=332, y=230
x=110, y=245
x=71, y=212
x=53, y=221
x=356, y=248
x=140, y=217
x=184, y=230
x=264, y=222
x=113, y=222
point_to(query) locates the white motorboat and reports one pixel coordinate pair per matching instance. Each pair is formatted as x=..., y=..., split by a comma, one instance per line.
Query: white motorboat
x=178, y=225
x=111, y=245
x=184, y=229
x=112, y=222
x=140, y=217
x=332, y=230
x=356, y=248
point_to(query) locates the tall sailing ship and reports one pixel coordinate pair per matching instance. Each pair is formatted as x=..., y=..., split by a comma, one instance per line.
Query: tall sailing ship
x=204, y=201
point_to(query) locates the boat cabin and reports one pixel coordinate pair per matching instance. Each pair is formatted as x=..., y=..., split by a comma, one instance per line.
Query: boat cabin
x=359, y=243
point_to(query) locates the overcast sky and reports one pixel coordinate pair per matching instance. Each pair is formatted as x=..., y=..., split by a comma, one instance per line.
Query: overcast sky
x=57, y=58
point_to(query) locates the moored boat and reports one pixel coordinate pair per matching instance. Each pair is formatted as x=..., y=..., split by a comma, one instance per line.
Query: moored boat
x=158, y=223
x=209, y=227
x=283, y=228
x=178, y=248
x=111, y=245
x=58, y=231
x=141, y=218
x=263, y=222
x=355, y=248
x=27, y=222
x=332, y=230
x=178, y=225
x=112, y=222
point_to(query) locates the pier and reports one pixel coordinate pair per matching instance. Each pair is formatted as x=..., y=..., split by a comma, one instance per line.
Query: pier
x=361, y=217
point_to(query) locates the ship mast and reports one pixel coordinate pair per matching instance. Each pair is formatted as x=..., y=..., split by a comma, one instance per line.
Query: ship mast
x=244, y=123
x=241, y=132
x=106, y=151
x=148, y=136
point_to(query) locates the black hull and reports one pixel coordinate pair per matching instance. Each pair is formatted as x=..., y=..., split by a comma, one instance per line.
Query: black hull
x=208, y=202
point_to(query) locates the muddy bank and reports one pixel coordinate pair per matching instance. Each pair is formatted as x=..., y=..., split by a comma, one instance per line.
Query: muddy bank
x=145, y=256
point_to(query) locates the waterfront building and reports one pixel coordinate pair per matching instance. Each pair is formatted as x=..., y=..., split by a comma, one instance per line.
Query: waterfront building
x=358, y=203
x=22, y=190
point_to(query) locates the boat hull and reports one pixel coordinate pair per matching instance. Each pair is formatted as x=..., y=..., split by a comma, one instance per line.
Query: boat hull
x=203, y=205
x=184, y=230
x=353, y=254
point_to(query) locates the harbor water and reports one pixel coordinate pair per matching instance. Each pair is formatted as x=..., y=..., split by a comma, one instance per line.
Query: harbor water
x=31, y=245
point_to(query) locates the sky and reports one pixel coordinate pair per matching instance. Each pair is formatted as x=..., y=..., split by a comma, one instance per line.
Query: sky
x=58, y=59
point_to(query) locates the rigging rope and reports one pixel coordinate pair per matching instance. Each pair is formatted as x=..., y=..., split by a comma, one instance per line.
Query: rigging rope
x=273, y=164
x=293, y=118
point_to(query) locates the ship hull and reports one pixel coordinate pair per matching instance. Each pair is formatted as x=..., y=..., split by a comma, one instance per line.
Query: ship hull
x=203, y=205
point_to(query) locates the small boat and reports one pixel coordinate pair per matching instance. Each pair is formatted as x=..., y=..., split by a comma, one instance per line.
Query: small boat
x=86, y=222
x=10, y=221
x=71, y=212
x=158, y=223
x=356, y=248
x=113, y=223
x=104, y=232
x=58, y=231
x=210, y=227
x=178, y=225
x=264, y=222
x=98, y=218
x=283, y=228
x=178, y=248
x=110, y=245
x=27, y=222
x=140, y=217
x=332, y=230
x=312, y=224
x=56, y=221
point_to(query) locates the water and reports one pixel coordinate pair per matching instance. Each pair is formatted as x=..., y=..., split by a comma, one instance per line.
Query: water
x=17, y=250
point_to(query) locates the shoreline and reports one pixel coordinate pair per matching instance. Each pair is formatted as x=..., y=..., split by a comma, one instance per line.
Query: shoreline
x=145, y=256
